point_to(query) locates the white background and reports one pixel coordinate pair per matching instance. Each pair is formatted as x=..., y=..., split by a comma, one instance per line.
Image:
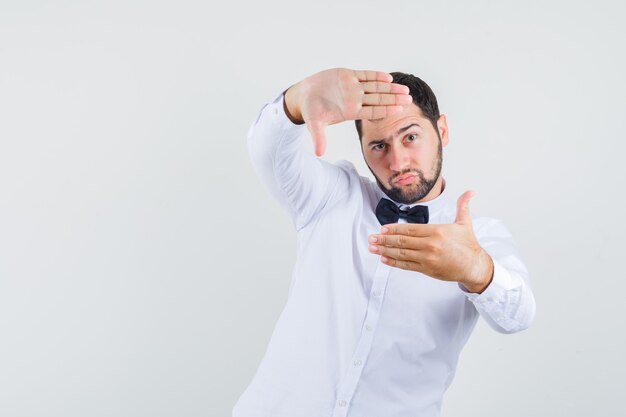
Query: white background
x=143, y=266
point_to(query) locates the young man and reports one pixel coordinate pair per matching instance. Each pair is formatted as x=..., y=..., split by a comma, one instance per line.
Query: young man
x=391, y=276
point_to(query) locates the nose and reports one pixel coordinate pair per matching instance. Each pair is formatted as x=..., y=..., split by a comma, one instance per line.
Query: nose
x=399, y=159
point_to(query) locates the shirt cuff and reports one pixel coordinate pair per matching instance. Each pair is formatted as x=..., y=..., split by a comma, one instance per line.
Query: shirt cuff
x=277, y=111
x=501, y=283
x=272, y=118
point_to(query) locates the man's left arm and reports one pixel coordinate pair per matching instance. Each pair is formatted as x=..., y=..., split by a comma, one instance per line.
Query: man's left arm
x=485, y=264
x=507, y=303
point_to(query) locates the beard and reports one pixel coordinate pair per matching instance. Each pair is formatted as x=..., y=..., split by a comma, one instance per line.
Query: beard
x=413, y=193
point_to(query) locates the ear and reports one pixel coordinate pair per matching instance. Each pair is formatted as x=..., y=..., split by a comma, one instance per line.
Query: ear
x=442, y=124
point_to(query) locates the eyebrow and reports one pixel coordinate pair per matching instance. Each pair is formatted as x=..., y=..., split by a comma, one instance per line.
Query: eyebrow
x=402, y=130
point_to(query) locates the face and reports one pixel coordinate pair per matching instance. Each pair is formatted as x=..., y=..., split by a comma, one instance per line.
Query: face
x=404, y=152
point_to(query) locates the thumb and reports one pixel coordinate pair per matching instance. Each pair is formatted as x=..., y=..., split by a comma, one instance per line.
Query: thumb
x=318, y=133
x=462, y=209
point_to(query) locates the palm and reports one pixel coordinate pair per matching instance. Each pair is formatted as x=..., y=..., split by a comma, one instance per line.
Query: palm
x=340, y=94
x=320, y=109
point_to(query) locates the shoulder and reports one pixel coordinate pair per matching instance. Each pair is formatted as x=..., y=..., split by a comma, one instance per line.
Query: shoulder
x=489, y=226
x=482, y=225
x=350, y=172
x=352, y=184
x=347, y=166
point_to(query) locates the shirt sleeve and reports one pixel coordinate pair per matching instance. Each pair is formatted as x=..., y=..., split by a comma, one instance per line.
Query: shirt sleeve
x=299, y=181
x=507, y=304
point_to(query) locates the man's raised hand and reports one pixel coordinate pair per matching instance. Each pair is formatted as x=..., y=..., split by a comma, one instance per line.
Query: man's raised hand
x=335, y=95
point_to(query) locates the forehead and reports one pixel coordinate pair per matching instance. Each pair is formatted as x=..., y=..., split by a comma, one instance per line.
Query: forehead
x=379, y=128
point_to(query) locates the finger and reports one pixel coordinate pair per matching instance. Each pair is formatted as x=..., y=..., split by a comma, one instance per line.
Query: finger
x=409, y=229
x=373, y=76
x=398, y=241
x=378, y=112
x=463, y=215
x=386, y=99
x=400, y=254
x=380, y=87
x=318, y=134
x=408, y=265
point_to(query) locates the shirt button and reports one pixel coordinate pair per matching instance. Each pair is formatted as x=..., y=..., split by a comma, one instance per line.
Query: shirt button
x=275, y=110
x=342, y=403
x=357, y=362
x=377, y=293
x=368, y=327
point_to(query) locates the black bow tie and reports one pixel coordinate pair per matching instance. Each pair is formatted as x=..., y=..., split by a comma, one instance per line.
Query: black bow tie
x=388, y=212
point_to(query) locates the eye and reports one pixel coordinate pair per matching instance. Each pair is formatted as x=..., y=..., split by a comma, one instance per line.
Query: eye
x=379, y=147
x=411, y=137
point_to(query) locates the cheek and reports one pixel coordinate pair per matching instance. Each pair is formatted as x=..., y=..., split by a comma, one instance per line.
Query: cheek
x=426, y=156
x=377, y=165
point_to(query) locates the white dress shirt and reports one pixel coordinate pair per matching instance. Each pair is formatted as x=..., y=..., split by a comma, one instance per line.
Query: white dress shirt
x=356, y=337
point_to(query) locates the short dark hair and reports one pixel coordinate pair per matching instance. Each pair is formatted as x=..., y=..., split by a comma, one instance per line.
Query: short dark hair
x=423, y=97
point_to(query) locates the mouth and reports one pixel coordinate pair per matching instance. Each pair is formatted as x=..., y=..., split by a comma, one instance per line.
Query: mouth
x=404, y=179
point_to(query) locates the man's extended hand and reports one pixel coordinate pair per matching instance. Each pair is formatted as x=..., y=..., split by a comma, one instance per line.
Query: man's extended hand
x=449, y=252
x=340, y=94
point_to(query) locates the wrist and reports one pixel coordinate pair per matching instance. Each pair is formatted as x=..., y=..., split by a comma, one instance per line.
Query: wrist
x=483, y=274
x=291, y=106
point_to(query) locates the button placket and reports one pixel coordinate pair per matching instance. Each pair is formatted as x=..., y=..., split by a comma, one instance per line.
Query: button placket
x=347, y=388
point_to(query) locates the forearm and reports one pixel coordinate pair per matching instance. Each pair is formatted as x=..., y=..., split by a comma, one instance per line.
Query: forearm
x=507, y=302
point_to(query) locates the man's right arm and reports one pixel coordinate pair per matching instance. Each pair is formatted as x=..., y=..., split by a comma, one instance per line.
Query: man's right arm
x=299, y=181
x=302, y=183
